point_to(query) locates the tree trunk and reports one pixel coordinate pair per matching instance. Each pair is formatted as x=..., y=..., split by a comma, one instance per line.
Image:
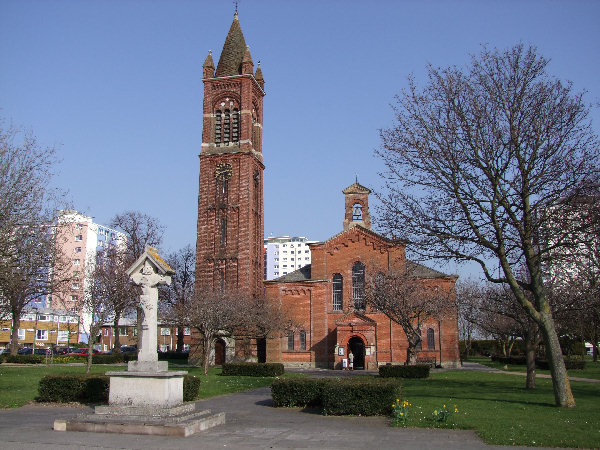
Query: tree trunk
x=179, y=339
x=117, y=344
x=206, y=341
x=595, y=342
x=90, y=353
x=14, y=335
x=511, y=342
x=530, y=351
x=411, y=353
x=560, y=379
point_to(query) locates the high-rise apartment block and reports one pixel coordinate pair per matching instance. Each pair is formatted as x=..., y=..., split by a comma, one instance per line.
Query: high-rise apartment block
x=284, y=254
x=80, y=240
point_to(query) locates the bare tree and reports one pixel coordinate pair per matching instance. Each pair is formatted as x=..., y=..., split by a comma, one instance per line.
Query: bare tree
x=27, y=233
x=96, y=304
x=409, y=301
x=140, y=230
x=121, y=294
x=469, y=295
x=181, y=291
x=212, y=314
x=230, y=313
x=474, y=160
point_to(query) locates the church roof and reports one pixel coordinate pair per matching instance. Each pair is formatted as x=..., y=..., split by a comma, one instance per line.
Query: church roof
x=302, y=274
x=420, y=271
x=356, y=188
x=233, y=52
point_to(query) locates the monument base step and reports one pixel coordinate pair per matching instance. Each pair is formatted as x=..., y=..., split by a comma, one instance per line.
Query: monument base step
x=175, y=421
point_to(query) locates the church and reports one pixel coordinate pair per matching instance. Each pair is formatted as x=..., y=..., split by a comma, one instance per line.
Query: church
x=326, y=298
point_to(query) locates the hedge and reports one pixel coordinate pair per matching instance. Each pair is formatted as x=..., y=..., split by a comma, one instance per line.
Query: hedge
x=298, y=391
x=253, y=369
x=24, y=359
x=163, y=356
x=544, y=364
x=416, y=371
x=191, y=388
x=358, y=396
x=73, y=388
x=87, y=388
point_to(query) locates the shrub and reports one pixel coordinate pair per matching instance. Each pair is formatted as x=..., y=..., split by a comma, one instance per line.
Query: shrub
x=416, y=371
x=366, y=397
x=359, y=396
x=570, y=364
x=253, y=369
x=298, y=391
x=115, y=358
x=25, y=359
x=163, y=356
x=191, y=388
x=74, y=388
x=518, y=360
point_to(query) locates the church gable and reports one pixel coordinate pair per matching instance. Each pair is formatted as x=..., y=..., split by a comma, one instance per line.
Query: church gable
x=358, y=235
x=355, y=318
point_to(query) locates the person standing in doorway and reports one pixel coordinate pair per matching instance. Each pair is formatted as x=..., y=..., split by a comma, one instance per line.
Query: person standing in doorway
x=350, y=361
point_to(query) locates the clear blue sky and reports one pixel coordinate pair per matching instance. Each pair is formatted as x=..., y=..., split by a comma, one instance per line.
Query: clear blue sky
x=116, y=86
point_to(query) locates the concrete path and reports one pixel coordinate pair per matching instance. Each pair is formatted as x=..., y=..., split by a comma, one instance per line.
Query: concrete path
x=252, y=423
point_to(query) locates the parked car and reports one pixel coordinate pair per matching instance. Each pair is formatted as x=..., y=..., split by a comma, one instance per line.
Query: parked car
x=83, y=351
x=128, y=349
x=25, y=351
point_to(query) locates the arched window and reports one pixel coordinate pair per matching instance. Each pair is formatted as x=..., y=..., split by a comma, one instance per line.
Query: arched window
x=357, y=214
x=290, y=339
x=302, y=340
x=223, y=231
x=227, y=126
x=338, y=291
x=235, y=126
x=218, y=127
x=430, y=339
x=358, y=285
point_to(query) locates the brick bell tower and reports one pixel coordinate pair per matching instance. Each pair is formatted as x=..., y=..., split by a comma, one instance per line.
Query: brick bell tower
x=229, y=246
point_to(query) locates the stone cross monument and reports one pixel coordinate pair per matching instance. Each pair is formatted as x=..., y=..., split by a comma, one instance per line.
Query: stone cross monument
x=147, y=398
x=147, y=381
x=148, y=278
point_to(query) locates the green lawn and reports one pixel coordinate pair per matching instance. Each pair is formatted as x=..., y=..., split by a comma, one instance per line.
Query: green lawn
x=503, y=412
x=592, y=369
x=19, y=384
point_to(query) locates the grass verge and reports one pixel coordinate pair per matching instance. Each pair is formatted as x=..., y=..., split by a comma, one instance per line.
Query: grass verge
x=19, y=384
x=503, y=412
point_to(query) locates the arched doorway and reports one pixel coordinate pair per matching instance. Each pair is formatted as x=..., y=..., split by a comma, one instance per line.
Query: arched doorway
x=357, y=347
x=261, y=350
x=219, y=352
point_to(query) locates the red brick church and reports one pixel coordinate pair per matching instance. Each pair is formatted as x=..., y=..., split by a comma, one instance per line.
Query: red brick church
x=328, y=305
x=325, y=297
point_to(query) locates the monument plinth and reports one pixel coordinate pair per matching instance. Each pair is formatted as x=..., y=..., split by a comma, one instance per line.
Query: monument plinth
x=147, y=398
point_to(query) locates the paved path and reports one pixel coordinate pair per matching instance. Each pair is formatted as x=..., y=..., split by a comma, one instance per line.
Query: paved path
x=252, y=423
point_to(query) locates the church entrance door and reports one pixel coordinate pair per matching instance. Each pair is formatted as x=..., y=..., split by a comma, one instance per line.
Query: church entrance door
x=357, y=347
x=219, y=352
